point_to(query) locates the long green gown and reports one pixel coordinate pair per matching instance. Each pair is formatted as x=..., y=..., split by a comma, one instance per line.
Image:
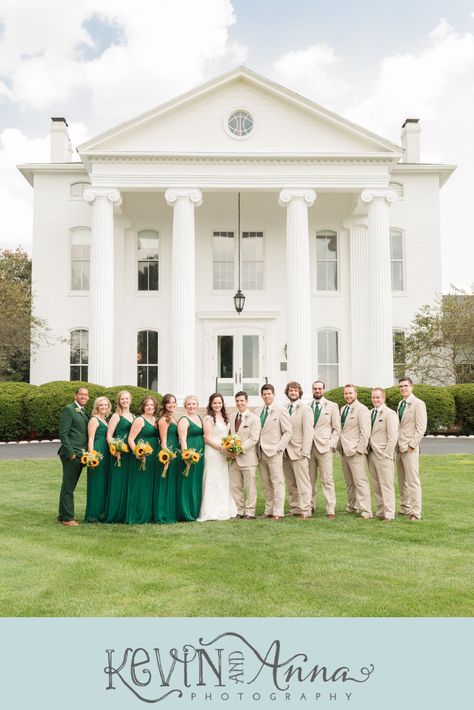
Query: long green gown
x=140, y=483
x=118, y=478
x=164, y=494
x=97, y=478
x=189, y=492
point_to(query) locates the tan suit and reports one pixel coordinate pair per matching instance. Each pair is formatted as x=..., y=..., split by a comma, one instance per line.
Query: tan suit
x=274, y=436
x=326, y=433
x=242, y=469
x=382, y=442
x=411, y=430
x=353, y=447
x=296, y=459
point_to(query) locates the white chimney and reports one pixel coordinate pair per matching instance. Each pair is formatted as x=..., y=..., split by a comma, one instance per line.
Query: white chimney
x=61, y=149
x=411, y=140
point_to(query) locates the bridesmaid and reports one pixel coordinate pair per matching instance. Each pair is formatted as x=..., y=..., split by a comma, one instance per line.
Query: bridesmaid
x=97, y=478
x=140, y=483
x=119, y=428
x=164, y=494
x=190, y=434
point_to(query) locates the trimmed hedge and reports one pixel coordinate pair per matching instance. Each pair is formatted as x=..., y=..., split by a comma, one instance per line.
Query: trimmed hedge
x=464, y=399
x=13, y=422
x=363, y=395
x=137, y=394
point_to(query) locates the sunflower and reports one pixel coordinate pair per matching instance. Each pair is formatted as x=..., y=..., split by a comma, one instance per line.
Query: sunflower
x=139, y=450
x=125, y=449
x=186, y=455
x=195, y=458
x=227, y=444
x=93, y=463
x=164, y=457
x=113, y=449
x=84, y=459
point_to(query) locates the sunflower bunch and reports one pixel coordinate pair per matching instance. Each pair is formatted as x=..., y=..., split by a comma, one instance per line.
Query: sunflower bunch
x=190, y=458
x=142, y=450
x=117, y=447
x=232, y=444
x=91, y=459
x=165, y=457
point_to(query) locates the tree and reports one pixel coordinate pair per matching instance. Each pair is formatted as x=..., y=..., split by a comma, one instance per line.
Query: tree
x=439, y=344
x=19, y=329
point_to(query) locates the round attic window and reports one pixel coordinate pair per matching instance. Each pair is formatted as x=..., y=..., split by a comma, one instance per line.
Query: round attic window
x=240, y=123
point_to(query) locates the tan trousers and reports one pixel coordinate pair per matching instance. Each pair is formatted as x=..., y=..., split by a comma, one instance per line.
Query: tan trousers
x=299, y=486
x=409, y=482
x=381, y=471
x=273, y=481
x=358, y=489
x=242, y=485
x=323, y=463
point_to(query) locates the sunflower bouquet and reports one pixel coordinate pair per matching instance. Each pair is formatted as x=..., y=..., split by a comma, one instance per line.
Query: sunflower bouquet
x=142, y=450
x=117, y=447
x=91, y=459
x=232, y=444
x=190, y=458
x=165, y=457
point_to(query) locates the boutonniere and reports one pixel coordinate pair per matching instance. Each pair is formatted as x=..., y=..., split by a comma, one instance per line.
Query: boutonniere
x=78, y=410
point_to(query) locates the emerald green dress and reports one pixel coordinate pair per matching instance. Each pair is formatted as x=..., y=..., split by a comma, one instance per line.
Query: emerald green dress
x=164, y=494
x=118, y=477
x=97, y=478
x=139, y=507
x=189, y=493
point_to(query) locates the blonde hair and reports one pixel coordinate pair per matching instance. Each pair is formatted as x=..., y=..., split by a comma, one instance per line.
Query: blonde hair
x=190, y=398
x=118, y=408
x=97, y=402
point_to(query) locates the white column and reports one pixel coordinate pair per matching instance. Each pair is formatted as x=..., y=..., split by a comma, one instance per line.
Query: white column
x=183, y=304
x=359, y=306
x=101, y=331
x=379, y=291
x=298, y=284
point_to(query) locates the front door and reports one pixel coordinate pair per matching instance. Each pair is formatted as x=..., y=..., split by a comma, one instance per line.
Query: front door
x=239, y=365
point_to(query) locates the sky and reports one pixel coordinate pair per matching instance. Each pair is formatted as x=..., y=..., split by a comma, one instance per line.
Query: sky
x=101, y=62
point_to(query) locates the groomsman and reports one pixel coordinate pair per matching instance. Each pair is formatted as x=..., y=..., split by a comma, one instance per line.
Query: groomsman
x=243, y=466
x=274, y=436
x=382, y=442
x=296, y=457
x=73, y=434
x=413, y=421
x=326, y=433
x=355, y=432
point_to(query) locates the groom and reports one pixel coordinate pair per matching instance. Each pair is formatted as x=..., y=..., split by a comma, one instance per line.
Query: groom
x=73, y=435
x=243, y=466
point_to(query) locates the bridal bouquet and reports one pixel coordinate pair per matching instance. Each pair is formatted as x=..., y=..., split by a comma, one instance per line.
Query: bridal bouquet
x=165, y=457
x=142, y=450
x=117, y=447
x=190, y=457
x=232, y=444
x=91, y=459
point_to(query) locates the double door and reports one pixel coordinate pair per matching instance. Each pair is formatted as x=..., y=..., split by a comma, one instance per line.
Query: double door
x=239, y=365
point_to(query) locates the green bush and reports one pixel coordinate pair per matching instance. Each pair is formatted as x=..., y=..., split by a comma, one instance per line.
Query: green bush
x=464, y=399
x=43, y=405
x=13, y=422
x=138, y=393
x=363, y=395
x=440, y=406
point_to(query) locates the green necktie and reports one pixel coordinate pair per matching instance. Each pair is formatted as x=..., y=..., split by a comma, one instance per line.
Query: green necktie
x=344, y=415
x=373, y=417
x=317, y=412
x=401, y=409
x=290, y=409
x=263, y=416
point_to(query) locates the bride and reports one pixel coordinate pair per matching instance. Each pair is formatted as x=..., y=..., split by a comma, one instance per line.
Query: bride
x=217, y=502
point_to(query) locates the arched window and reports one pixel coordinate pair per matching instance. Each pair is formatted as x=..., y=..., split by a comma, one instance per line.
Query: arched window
x=79, y=355
x=397, y=260
x=327, y=278
x=80, y=258
x=399, y=360
x=328, y=357
x=147, y=359
x=148, y=260
x=76, y=190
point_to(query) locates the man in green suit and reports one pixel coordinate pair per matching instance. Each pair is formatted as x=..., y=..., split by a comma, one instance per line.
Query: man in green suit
x=73, y=435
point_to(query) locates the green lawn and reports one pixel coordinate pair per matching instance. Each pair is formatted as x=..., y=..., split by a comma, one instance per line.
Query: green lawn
x=237, y=568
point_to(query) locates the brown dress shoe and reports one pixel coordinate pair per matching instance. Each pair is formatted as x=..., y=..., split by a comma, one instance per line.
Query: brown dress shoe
x=249, y=517
x=331, y=516
x=71, y=523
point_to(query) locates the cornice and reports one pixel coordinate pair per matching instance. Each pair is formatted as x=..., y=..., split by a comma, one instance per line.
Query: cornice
x=247, y=158
x=29, y=170
x=443, y=171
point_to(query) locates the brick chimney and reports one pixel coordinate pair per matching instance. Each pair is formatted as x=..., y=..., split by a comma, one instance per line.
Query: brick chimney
x=61, y=149
x=411, y=140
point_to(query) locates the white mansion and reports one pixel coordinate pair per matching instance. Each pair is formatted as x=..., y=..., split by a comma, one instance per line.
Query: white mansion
x=331, y=232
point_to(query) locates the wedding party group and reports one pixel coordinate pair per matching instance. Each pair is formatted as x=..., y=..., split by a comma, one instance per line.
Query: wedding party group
x=157, y=468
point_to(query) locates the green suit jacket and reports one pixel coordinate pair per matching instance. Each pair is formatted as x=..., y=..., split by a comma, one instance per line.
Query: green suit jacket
x=72, y=431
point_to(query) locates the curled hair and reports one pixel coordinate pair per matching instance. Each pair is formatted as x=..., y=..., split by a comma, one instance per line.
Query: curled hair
x=97, y=402
x=189, y=398
x=146, y=399
x=294, y=385
x=118, y=407
x=163, y=412
x=211, y=412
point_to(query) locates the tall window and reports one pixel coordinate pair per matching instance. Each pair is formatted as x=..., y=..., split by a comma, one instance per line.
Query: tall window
x=76, y=190
x=328, y=357
x=396, y=259
x=327, y=261
x=79, y=355
x=80, y=258
x=223, y=247
x=148, y=260
x=252, y=261
x=225, y=255
x=398, y=339
x=147, y=359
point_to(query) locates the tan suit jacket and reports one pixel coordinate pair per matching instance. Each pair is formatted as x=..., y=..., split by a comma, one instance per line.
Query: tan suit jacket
x=413, y=425
x=384, y=434
x=355, y=434
x=327, y=430
x=248, y=433
x=276, y=432
x=299, y=446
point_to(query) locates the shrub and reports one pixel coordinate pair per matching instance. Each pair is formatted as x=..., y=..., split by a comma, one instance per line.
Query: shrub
x=464, y=399
x=363, y=395
x=13, y=422
x=43, y=405
x=440, y=406
x=138, y=393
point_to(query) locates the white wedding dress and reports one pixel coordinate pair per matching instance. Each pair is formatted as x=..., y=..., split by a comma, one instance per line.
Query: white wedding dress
x=217, y=502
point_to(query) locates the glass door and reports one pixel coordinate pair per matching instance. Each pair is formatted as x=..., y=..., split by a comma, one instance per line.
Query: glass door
x=238, y=364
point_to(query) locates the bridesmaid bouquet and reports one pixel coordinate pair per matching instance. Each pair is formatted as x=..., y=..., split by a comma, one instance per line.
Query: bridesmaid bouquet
x=165, y=457
x=232, y=444
x=91, y=459
x=190, y=457
x=142, y=450
x=117, y=447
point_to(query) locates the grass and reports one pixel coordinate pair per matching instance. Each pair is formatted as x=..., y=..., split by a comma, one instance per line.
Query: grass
x=237, y=568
